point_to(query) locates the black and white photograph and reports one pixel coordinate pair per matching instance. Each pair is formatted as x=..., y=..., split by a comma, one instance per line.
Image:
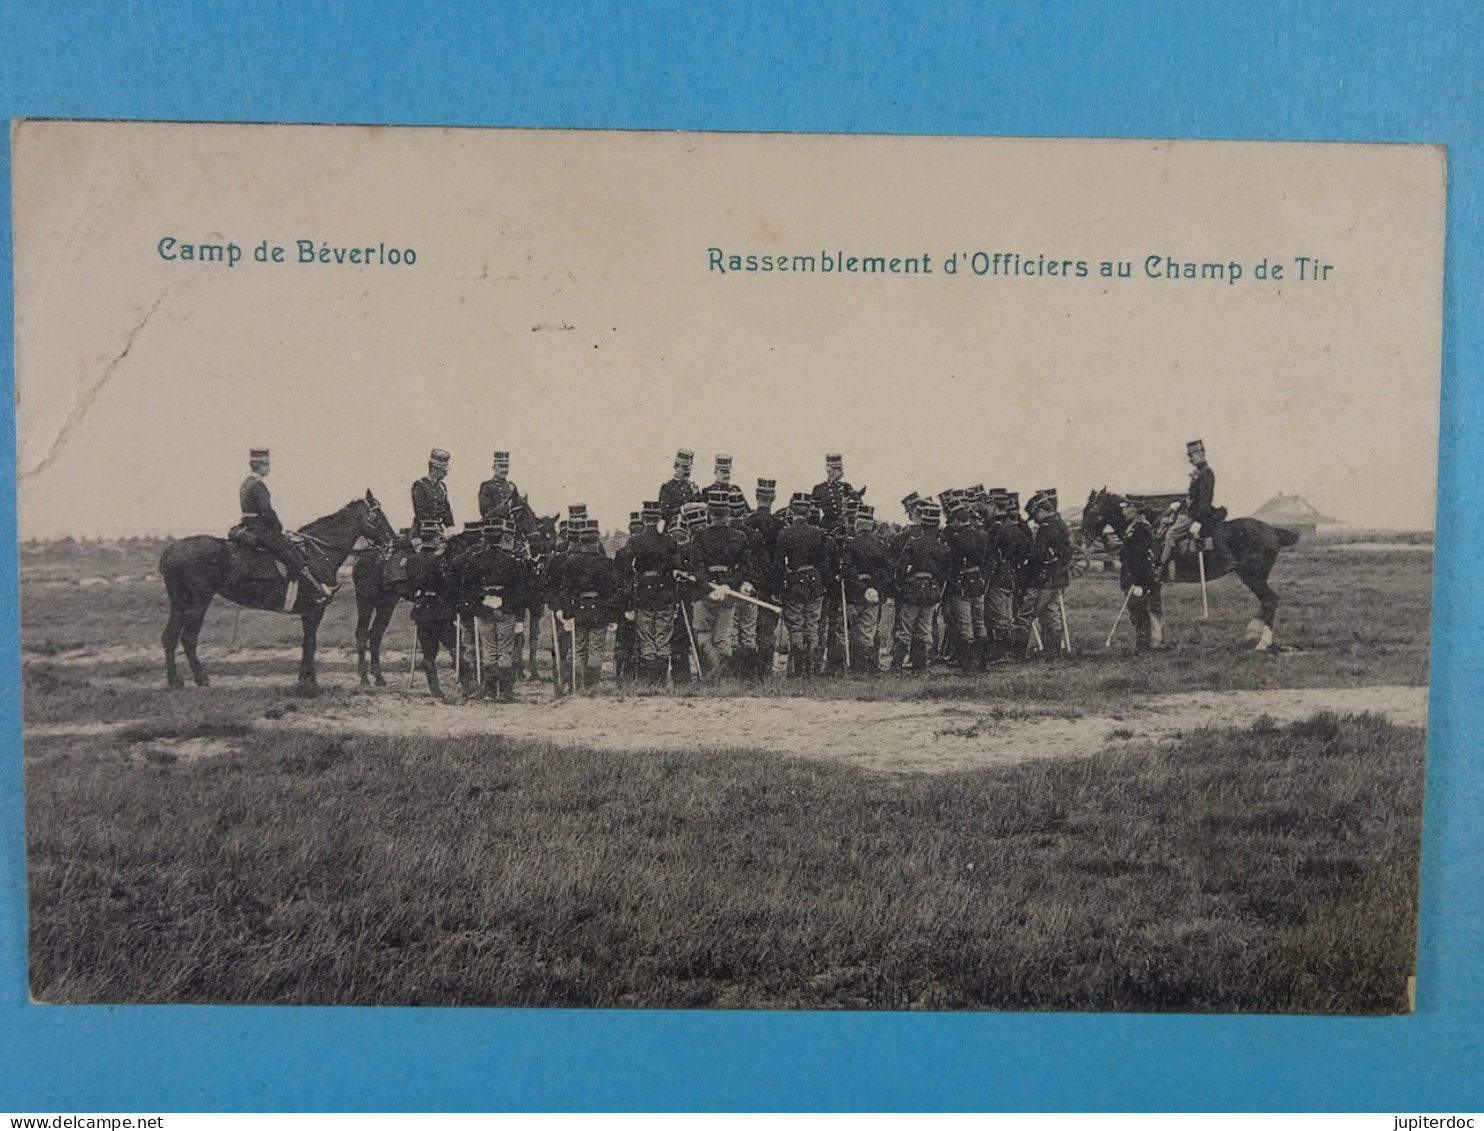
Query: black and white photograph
x=665, y=570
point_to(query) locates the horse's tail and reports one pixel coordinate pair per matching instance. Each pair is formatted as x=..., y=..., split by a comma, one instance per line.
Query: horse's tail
x=1286, y=537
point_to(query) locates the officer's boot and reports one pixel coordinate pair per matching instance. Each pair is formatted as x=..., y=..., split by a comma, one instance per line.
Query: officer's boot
x=968, y=661
x=1156, y=632
x=898, y=656
x=430, y=669
x=762, y=663
x=592, y=675
x=918, y=653
x=321, y=591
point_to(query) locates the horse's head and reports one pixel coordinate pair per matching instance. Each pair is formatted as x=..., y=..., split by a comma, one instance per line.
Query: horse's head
x=374, y=523
x=541, y=533
x=1101, y=510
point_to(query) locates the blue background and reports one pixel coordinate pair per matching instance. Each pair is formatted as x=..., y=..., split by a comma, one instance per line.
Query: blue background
x=1353, y=72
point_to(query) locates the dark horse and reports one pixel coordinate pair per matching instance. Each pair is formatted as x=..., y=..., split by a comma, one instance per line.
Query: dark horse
x=377, y=595
x=1251, y=547
x=195, y=570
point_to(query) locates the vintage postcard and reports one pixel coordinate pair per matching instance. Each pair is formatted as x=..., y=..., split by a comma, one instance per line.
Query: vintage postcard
x=672, y=570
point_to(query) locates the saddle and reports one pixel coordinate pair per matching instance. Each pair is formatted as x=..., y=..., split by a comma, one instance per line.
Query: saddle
x=1186, y=563
x=250, y=562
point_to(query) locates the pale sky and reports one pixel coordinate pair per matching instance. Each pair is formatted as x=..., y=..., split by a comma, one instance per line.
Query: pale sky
x=562, y=307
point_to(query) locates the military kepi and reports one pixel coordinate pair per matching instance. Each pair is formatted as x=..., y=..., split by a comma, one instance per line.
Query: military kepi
x=438, y=458
x=257, y=453
x=502, y=461
x=1196, y=449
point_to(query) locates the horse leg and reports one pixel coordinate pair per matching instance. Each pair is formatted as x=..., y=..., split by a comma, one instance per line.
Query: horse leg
x=189, y=634
x=311, y=621
x=170, y=638
x=429, y=639
x=1260, y=627
x=365, y=614
x=379, y=624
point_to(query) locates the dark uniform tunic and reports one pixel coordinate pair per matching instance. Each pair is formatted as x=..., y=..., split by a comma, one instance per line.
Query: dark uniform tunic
x=433, y=599
x=1138, y=567
x=721, y=555
x=922, y=572
x=430, y=500
x=834, y=497
x=968, y=547
x=675, y=493
x=734, y=493
x=1048, y=573
x=648, y=570
x=262, y=524
x=1200, y=498
x=807, y=557
x=768, y=579
x=497, y=498
x=1009, y=546
x=864, y=564
x=587, y=591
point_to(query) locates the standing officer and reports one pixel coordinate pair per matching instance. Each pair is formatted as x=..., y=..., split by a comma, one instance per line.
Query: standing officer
x=724, y=482
x=1200, y=508
x=653, y=558
x=678, y=490
x=1138, y=576
x=493, y=593
x=261, y=527
x=806, y=556
x=722, y=556
x=430, y=493
x=625, y=635
x=968, y=548
x=767, y=576
x=433, y=597
x=497, y=495
x=692, y=517
x=866, y=569
x=922, y=574
x=901, y=639
x=588, y=592
x=745, y=615
x=1007, y=549
x=834, y=496
x=1050, y=558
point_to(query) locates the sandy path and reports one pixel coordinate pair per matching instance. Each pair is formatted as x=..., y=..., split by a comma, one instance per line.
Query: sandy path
x=883, y=736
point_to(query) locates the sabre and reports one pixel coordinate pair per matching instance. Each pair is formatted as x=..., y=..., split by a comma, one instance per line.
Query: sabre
x=1036, y=632
x=458, y=648
x=1127, y=593
x=1066, y=635
x=728, y=591
x=845, y=622
x=570, y=624
x=1205, y=604
x=478, y=659
x=695, y=655
x=556, y=662
x=412, y=666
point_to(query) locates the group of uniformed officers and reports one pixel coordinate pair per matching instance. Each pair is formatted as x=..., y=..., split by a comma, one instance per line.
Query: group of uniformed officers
x=700, y=586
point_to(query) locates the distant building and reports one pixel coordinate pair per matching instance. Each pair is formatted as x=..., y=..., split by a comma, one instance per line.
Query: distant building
x=1293, y=512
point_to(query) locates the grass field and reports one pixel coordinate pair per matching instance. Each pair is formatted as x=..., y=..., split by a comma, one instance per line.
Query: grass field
x=181, y=849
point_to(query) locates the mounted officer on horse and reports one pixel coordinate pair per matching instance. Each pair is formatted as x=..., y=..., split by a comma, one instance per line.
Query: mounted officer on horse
x=262, y=566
